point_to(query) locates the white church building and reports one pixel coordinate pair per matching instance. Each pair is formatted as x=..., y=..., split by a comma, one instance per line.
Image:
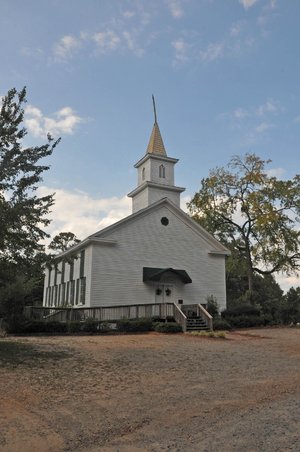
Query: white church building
x=158, y=254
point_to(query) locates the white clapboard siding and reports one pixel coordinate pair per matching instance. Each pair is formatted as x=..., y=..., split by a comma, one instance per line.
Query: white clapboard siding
x=117, y=271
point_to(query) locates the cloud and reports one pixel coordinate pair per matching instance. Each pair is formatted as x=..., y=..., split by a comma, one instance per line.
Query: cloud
x=101, y=42
x=66, y=47
x=77, y=212
x=263, y=126
x=106, y=41
x=63, y=122
x=286, y=282
x=175, y=8
x=181, y=49
x=276, y=172
x=270, y=106
x=132, y=44
x=240, y=113
x=248, y=3
x=267, y=14
x=128, y=14
x=236, y=29
x=212, y=52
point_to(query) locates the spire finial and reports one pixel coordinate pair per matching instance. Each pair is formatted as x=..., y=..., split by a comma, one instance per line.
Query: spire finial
x=154, y=108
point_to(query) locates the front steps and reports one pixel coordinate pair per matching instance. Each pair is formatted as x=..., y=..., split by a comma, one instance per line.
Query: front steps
x=196, y=324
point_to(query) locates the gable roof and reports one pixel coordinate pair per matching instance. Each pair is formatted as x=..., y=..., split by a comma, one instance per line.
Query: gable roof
x=100, y=237
x=216, y=246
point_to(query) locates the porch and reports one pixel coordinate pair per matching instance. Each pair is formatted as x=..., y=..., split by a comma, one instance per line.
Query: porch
x=189, y=317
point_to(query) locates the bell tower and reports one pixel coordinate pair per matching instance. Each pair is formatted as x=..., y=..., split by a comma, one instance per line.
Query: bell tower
x=155, y=173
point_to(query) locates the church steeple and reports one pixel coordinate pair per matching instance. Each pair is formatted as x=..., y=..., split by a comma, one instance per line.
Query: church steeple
x=156, y=144
x=155, y=173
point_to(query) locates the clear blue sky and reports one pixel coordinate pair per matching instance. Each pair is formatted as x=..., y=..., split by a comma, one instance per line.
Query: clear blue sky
x=225, y=75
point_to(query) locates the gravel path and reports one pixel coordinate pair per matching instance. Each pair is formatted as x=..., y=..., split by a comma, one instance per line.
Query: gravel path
x=153, y=392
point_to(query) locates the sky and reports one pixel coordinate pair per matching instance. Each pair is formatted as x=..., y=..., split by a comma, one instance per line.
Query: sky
x=225, y=75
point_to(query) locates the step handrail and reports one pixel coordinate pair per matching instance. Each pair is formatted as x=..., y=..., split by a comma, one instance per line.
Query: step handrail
x=180, y=317
x=205, y=315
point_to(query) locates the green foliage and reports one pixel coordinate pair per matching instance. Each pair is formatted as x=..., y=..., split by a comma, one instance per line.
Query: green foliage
x=91, y=326
x=290, y=308
x=240, y=310
x=253, y=214
x=246, y=321
x=221, y=324
x=62, y=241
x=212, y=306
x=167, y=327
x=12, y=303
x=135, y=325
x=23, y=214
x=74, y=327
x=38, y=326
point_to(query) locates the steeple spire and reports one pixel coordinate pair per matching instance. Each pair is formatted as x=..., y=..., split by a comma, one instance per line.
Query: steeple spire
x=156, y=144
x=154, y=109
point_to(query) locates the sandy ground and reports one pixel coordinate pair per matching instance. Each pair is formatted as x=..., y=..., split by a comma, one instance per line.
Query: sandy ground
x=152, y=392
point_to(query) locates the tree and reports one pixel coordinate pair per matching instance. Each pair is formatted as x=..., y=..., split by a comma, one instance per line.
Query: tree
x=291, y=306
x=254, y=214
x=22, y=212
x=62, y=241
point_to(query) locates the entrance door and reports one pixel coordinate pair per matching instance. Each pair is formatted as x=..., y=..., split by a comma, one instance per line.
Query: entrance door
x=164, y=293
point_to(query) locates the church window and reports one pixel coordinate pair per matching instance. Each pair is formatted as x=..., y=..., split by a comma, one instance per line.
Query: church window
x=164, y=221
x=162, y=171
x=63, y=293
x=49, y=277
x=82, y=290
x=82, y=256
x=72, y=292
x=77, y=291
x=68, y=292
x=71, y=270
x=143, y=174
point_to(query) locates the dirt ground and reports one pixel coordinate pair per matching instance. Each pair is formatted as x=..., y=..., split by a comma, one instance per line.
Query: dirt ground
x=151, y=392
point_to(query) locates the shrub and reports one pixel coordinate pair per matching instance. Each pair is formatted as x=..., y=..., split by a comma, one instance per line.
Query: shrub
x=135, y=325
x=74, y=327
x=245, y=321
x=40, y=326
x=241, y=310
x=167, y=327
x=212, y=306
x=221, y=324
x=90, y=326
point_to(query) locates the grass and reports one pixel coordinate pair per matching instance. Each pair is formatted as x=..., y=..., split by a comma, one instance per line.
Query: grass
x=214, y=334
x=14, y=353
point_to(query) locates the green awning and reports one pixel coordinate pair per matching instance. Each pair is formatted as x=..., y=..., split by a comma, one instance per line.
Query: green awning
x=155, y=274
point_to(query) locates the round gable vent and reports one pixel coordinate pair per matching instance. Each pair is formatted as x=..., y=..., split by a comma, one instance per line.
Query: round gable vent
x=164, y=221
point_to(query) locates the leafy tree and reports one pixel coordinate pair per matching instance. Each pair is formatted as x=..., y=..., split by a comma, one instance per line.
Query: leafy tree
x=254, y=214
x=22, y=212
x=62, y=241
x=291, y=306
